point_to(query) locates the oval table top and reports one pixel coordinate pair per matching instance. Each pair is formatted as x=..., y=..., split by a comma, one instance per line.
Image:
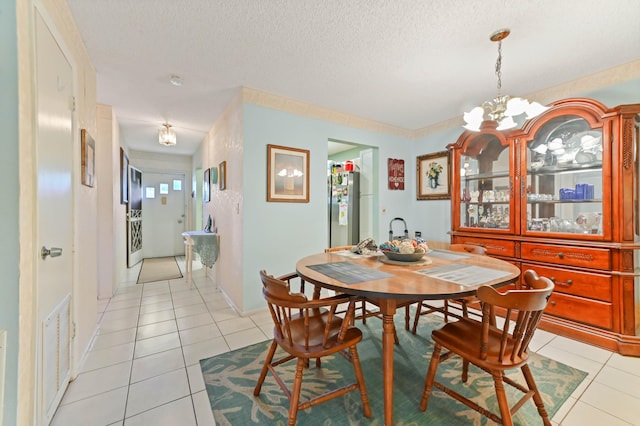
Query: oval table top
x=454, y=274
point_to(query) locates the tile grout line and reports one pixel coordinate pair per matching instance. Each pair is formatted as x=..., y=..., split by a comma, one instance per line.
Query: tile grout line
x=184, y=359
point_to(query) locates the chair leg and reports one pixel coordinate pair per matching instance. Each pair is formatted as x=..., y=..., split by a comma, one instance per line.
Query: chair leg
x=295, y=392
x=406, y=317
x=446, y=310
x=355, y=360
x=501, y=396
x=265, y=368
x=417, y=317
x=526, y=372
x=364, y=311
x=465, y=370
x=431, y=375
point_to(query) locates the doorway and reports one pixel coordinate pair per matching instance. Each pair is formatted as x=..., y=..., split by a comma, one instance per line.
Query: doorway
x=365, y=158
x=163, y=203
x=134, y=217
x=55, y=220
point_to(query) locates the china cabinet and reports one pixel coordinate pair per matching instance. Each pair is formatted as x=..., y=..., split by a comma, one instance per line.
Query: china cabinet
x=561, y=196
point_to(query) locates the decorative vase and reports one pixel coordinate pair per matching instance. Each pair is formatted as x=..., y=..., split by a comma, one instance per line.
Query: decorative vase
x=433, y=182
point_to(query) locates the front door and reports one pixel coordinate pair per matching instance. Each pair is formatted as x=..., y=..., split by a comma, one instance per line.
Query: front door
x=55, y=154
x=134, y=218
x=163, y=203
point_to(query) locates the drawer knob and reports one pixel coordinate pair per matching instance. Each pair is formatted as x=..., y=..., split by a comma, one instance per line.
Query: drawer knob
x=553, y=303
x=561, y=255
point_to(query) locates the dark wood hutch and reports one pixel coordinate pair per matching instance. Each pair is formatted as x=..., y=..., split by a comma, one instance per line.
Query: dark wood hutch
x=561, y=196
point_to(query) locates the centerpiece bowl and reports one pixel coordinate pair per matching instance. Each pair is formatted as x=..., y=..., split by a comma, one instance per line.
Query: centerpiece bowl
x=403, y=257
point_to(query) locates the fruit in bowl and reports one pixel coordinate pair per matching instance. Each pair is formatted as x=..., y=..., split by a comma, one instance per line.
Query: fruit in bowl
x=404, y=250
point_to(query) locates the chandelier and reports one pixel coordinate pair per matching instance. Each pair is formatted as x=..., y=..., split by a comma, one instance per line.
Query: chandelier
x=166, y=136
x=502, y=108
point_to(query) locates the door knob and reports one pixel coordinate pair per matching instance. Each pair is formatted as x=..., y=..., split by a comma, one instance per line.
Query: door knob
x=53, y=252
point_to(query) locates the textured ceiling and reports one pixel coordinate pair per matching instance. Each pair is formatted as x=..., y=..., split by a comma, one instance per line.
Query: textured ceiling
x=407, y=63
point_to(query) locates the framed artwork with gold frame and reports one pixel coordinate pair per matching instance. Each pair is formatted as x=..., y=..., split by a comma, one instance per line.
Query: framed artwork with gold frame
x=287, y=174
x=88, y=155
x=434, y=176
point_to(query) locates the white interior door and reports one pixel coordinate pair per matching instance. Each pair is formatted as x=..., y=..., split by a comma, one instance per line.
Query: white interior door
x=55, y=154
x=163, y=203
x=134, y=218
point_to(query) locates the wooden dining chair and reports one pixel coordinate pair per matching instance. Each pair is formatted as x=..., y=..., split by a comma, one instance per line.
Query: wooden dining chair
x=495, y=349
x=309, y=328
x=460, y=305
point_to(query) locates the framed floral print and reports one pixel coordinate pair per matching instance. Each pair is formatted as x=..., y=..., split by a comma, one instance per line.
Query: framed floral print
x=434, y=176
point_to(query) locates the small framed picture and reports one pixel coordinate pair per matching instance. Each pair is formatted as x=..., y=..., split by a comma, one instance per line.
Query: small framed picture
x=124, y=177
x=206, y=187
x=222, y=177
x=88, y=153
x=287, y=174
x=433, y=173
x=214, y=175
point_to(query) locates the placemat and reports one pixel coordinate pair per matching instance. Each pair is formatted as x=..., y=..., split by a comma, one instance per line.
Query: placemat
x=447, y=255
x=466, y=275
x=348, y=273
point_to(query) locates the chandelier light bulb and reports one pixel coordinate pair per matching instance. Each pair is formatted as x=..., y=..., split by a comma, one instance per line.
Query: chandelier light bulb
x=503, y=108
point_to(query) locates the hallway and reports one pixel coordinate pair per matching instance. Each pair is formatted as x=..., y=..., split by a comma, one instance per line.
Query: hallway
x=143, y=367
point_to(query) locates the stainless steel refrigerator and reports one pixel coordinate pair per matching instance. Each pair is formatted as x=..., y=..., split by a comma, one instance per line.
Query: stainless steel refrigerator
x=344, y=208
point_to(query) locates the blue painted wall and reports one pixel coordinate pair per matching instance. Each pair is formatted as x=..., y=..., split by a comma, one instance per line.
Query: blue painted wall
x=9, y=212
x=278, y=234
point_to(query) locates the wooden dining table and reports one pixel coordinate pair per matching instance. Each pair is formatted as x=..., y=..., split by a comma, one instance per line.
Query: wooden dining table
x=440, y=275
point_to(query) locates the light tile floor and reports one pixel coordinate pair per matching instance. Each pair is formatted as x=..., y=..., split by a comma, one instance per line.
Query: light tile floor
x=143, y=366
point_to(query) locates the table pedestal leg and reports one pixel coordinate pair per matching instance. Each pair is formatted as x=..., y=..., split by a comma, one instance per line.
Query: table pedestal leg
x=388, y=333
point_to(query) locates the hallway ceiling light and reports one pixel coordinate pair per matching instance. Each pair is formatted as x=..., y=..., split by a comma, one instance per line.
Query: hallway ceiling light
x=176, y=80
x=167, y=136
x=502, y=108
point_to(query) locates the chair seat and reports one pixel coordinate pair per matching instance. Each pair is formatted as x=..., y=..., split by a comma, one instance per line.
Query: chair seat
x=463, y=337
x=316, y=341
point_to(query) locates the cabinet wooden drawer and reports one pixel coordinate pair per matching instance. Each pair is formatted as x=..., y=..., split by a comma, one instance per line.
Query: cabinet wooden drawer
x=594, y=258
x=587, y=284
x=493, y=247
x=592, y=312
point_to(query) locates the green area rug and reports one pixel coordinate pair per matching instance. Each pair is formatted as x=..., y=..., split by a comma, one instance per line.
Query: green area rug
x=231, y=377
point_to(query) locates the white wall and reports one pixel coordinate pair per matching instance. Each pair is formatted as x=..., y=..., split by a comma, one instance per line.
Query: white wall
x=224, y=142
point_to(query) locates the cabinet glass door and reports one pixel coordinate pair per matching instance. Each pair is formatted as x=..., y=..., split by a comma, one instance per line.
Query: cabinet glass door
x=564, y=182
x=486, y=197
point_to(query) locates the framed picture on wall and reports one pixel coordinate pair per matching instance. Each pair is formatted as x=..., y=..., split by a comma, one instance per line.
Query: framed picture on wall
x=214, y=175
x=287, y=174
x=88, y=153
x=433, y=174
x=124, y=174
x=206, y=189
x=222, y=176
